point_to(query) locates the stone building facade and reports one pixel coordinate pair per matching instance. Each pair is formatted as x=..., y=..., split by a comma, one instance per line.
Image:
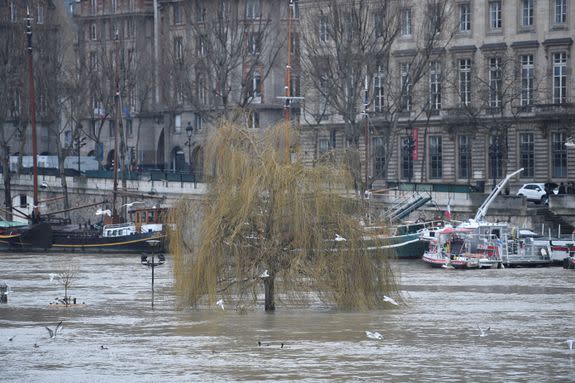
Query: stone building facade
x=493, y=92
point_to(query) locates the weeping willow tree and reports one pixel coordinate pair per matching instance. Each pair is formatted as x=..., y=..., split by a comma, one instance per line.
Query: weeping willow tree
x=266, y=224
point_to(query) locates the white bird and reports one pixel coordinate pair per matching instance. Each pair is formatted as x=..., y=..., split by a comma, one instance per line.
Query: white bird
x=265, y=274
x=447, y=266
x=52, y=276
x=373, y=335
x=220, y=303
x=570, y=343
x=129, y=205
x=339, y=238
x=107, y=212
x=390, y=300
x=484, y=331
x=56, y=331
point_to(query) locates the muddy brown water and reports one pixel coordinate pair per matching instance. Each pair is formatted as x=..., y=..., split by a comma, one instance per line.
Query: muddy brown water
x=432, y=337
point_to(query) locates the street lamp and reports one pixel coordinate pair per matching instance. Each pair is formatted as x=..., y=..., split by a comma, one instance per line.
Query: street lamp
x=146, y=262
x=189, y=132
x=408, y=146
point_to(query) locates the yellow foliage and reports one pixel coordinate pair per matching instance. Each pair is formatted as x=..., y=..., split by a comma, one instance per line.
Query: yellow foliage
x=262, y=212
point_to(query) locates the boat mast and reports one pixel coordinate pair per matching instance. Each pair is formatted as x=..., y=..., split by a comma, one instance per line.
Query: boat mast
x=288, y=80
x=35, y=211
x=115, y=218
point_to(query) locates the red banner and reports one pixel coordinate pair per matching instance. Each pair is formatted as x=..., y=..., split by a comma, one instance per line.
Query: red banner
x=414, y=137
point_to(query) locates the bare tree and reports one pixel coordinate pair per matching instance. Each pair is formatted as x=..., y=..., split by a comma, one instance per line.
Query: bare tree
x=358, y=66
x=222, y=64
x=67, y=276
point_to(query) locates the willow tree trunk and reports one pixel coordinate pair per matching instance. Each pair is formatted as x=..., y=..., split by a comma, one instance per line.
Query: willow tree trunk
x=269, y=293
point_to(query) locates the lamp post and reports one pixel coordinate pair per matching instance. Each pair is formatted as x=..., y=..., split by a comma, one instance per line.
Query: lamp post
x=189, y=132
x=494, y=152
x=408, y=146
x=146, y=262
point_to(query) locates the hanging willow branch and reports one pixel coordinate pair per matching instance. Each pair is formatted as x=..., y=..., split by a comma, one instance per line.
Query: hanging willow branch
x=261, y=213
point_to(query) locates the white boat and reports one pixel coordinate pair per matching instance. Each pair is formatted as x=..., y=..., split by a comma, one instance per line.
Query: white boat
x=480, y=244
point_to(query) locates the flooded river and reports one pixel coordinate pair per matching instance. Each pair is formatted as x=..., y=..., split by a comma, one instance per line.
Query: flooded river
x=432, y=337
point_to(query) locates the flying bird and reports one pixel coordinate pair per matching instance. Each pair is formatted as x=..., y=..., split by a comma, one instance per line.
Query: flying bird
x=339, y=238
x=390, y=300
x=570, y=343
x=107, y=212
x=373, y=335
x=265, y=274
x=484, y=331
x=56, y=330
x=129, y=205
x=220, y=303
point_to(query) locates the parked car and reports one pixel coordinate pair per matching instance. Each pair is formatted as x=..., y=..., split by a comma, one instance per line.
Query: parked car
x=537, y=192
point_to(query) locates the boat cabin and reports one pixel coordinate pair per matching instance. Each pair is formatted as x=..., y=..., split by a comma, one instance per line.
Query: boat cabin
x=148, y=219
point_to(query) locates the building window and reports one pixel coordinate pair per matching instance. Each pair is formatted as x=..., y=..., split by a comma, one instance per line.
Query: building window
x=407, y=158
x=93, y=32
x=253, y=120
x=527, y=79
x=378, y=84
x=496, y=150
x=323, y=29
x=40, y=14
x=559, y=155
x=435, y=157
x=560, y=11
x=178, y=49
x=13, y=12
x=464, y=17
x=378, y=158
x=94, y=6
x=114, y=6
x=256, y=88
x=559, y=78
x=111, y=128
x=495, y=20
x=406, y=22
x=464, y=157
x=199, y=121
x=178, y=18
x=495, y=82
x=333, y=139
x=201, y=46
x=527, y=154
x=323, y=145
x=527, y=13
x=253, y=9
x=465, y=81
x=254, y=41
x=405, y=87
x=93, y=61
x=435, y=86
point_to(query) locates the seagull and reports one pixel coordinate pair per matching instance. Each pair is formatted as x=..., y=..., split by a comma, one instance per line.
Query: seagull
x=265, y=274
x=107, y=212
x=484, y=331
x=56, y=331
x=102, y=347
x=36, y=345
x=129, y=205
x=373, y=335
x=220, y=303
x=52, y=275
x=570, y=343
x=11, y=339
x=339, y=238
x=447, y=266
x=390, y=300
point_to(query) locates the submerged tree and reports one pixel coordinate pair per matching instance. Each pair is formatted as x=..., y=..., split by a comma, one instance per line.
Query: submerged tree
x=265, y=221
